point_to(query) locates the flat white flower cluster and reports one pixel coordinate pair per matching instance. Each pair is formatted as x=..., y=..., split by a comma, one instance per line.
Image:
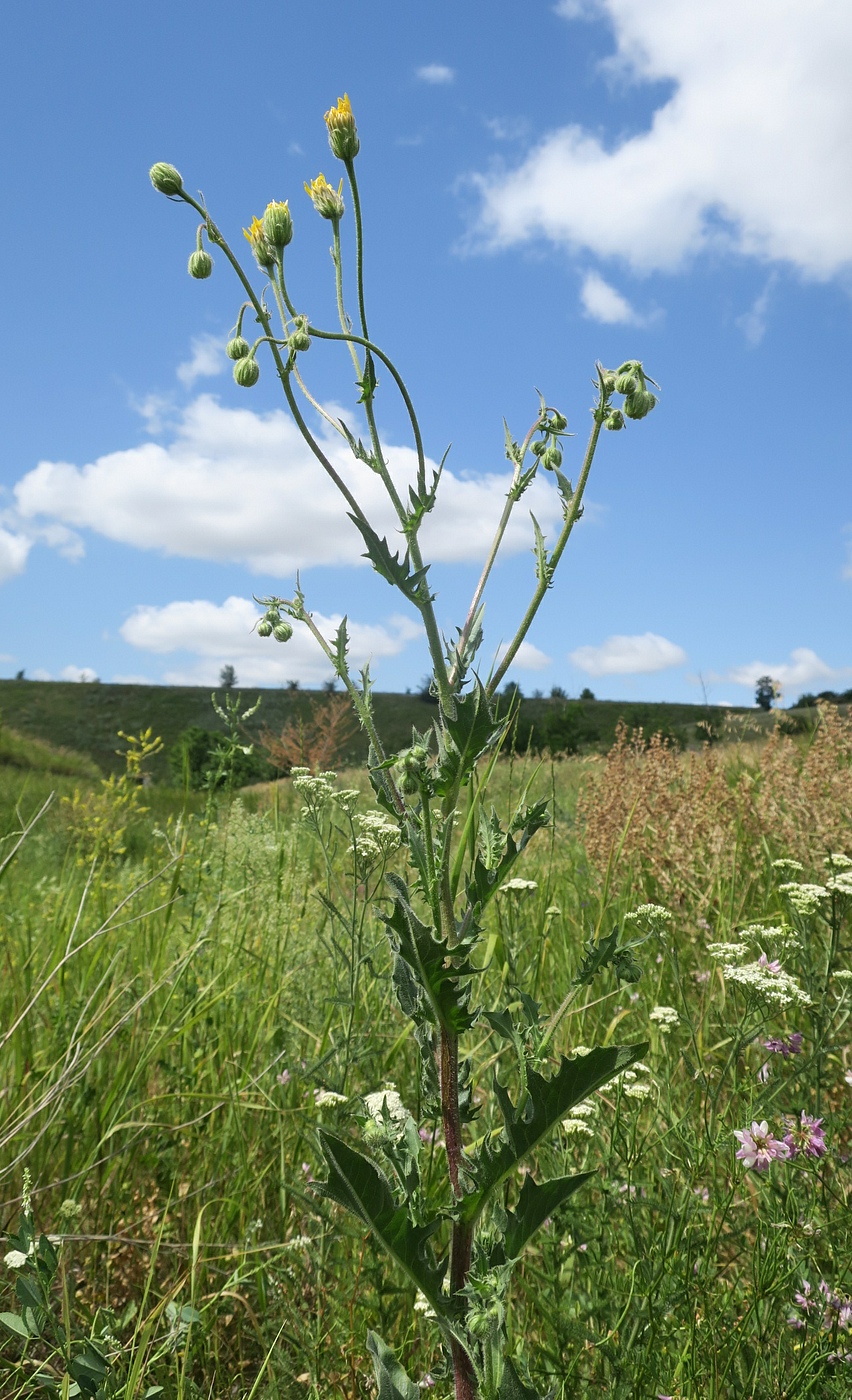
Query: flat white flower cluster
x=518, y=886
x=654, y=917
x=388, y=1116
x=327, y=1098
x=377, y=838
x=665, y=1017
x=770, y=983
x=316, y=789
x=805, y=899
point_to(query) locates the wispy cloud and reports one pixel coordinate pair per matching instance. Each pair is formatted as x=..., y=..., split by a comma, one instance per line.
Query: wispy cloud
x=629, y=656
x=601, y=302
x=749, y=154
x=753, y=322
x=437, y=73
x=207, y=359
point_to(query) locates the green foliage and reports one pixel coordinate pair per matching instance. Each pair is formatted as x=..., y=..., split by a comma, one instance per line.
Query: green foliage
x=199, y=757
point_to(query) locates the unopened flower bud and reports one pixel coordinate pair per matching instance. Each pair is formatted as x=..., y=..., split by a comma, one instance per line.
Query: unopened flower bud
x=282, y=631
x=539, y=447
x=165, y=178
x=551, y=457
x=238, y=348
x=264, y=253
x=299, y=340
x=411, y=768
x=247, y=371
x=626, y=383
x=609, y=378
x=264, y=627
x=558, y=423
x=325, y=199
x=342, y=132
x=615, y=420
x=639, y=404
x=278, y=224
x=200, y=264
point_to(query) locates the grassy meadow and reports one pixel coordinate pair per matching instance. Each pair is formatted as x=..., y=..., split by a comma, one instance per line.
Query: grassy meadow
x=191, y=985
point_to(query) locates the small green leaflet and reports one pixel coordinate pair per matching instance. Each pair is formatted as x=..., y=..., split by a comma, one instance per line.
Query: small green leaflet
x=395, y=570
x=391, y=1379
x=534, y=1206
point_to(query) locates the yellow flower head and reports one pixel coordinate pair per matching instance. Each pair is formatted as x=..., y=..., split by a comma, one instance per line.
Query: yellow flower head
x=261, y=247
x=326, y=200
x=342, y=132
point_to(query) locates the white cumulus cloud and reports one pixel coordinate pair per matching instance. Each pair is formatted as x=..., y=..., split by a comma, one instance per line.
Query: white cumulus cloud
x=803, y=668
x=215, y=634
x=237, y=486
x=629, y=656
x=78, y=673
x=751, y=152
x=436, y=73
x=207, y=358
x=14, y=549
x=601, y=302
x=527, y=657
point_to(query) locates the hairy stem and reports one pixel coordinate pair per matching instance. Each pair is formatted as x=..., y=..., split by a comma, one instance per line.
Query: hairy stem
x=559, y=548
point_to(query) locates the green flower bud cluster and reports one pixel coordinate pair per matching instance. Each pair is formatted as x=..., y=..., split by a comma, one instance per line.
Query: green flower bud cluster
x=630, y=380
x=299, y=338
x=411, y=769
x=547, y=448
x=238, y=348
x=272, y=624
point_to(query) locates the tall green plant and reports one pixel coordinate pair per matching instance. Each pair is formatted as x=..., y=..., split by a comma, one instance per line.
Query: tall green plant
x=459, y=1249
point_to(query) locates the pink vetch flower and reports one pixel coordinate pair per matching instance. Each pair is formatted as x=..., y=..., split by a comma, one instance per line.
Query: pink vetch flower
x=805, y=1299
x=283, y=1078
x=758, y=1148
x=776, y=1045
x=770, y=965
x=805, y=1136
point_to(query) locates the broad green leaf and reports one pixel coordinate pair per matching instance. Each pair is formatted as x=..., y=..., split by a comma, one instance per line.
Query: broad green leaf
x=358, y=1185
x=391, y=1379
x=511, y=1385
x=534, y=1206
x=15, y=1324
x=439, y=972
x=546, y=1103
x=28, y=1292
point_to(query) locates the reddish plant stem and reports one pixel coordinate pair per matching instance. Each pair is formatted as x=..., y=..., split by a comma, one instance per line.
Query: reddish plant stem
x=462, y=1239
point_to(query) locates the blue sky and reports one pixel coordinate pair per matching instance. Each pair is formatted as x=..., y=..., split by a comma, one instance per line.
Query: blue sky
x=543, y=185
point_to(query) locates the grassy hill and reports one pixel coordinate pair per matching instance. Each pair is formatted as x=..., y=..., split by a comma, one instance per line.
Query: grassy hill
x=86, y=718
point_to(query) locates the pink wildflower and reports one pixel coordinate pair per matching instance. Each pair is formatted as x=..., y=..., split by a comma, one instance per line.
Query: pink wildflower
x=772, y=965
x=758, y=1148
x=283, y=1078
x=776, y=1045
x=805, y=1136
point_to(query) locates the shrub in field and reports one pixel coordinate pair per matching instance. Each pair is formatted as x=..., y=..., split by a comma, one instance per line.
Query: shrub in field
x=459, y=1245
x=98, y=819
x=319, y=740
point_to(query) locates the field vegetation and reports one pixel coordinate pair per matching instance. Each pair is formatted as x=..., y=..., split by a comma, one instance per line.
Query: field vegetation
x=194, y=983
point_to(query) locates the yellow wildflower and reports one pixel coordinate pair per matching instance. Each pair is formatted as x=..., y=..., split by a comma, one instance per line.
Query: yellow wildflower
x=342, y=132
x=261, y=247
x=326, y=200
